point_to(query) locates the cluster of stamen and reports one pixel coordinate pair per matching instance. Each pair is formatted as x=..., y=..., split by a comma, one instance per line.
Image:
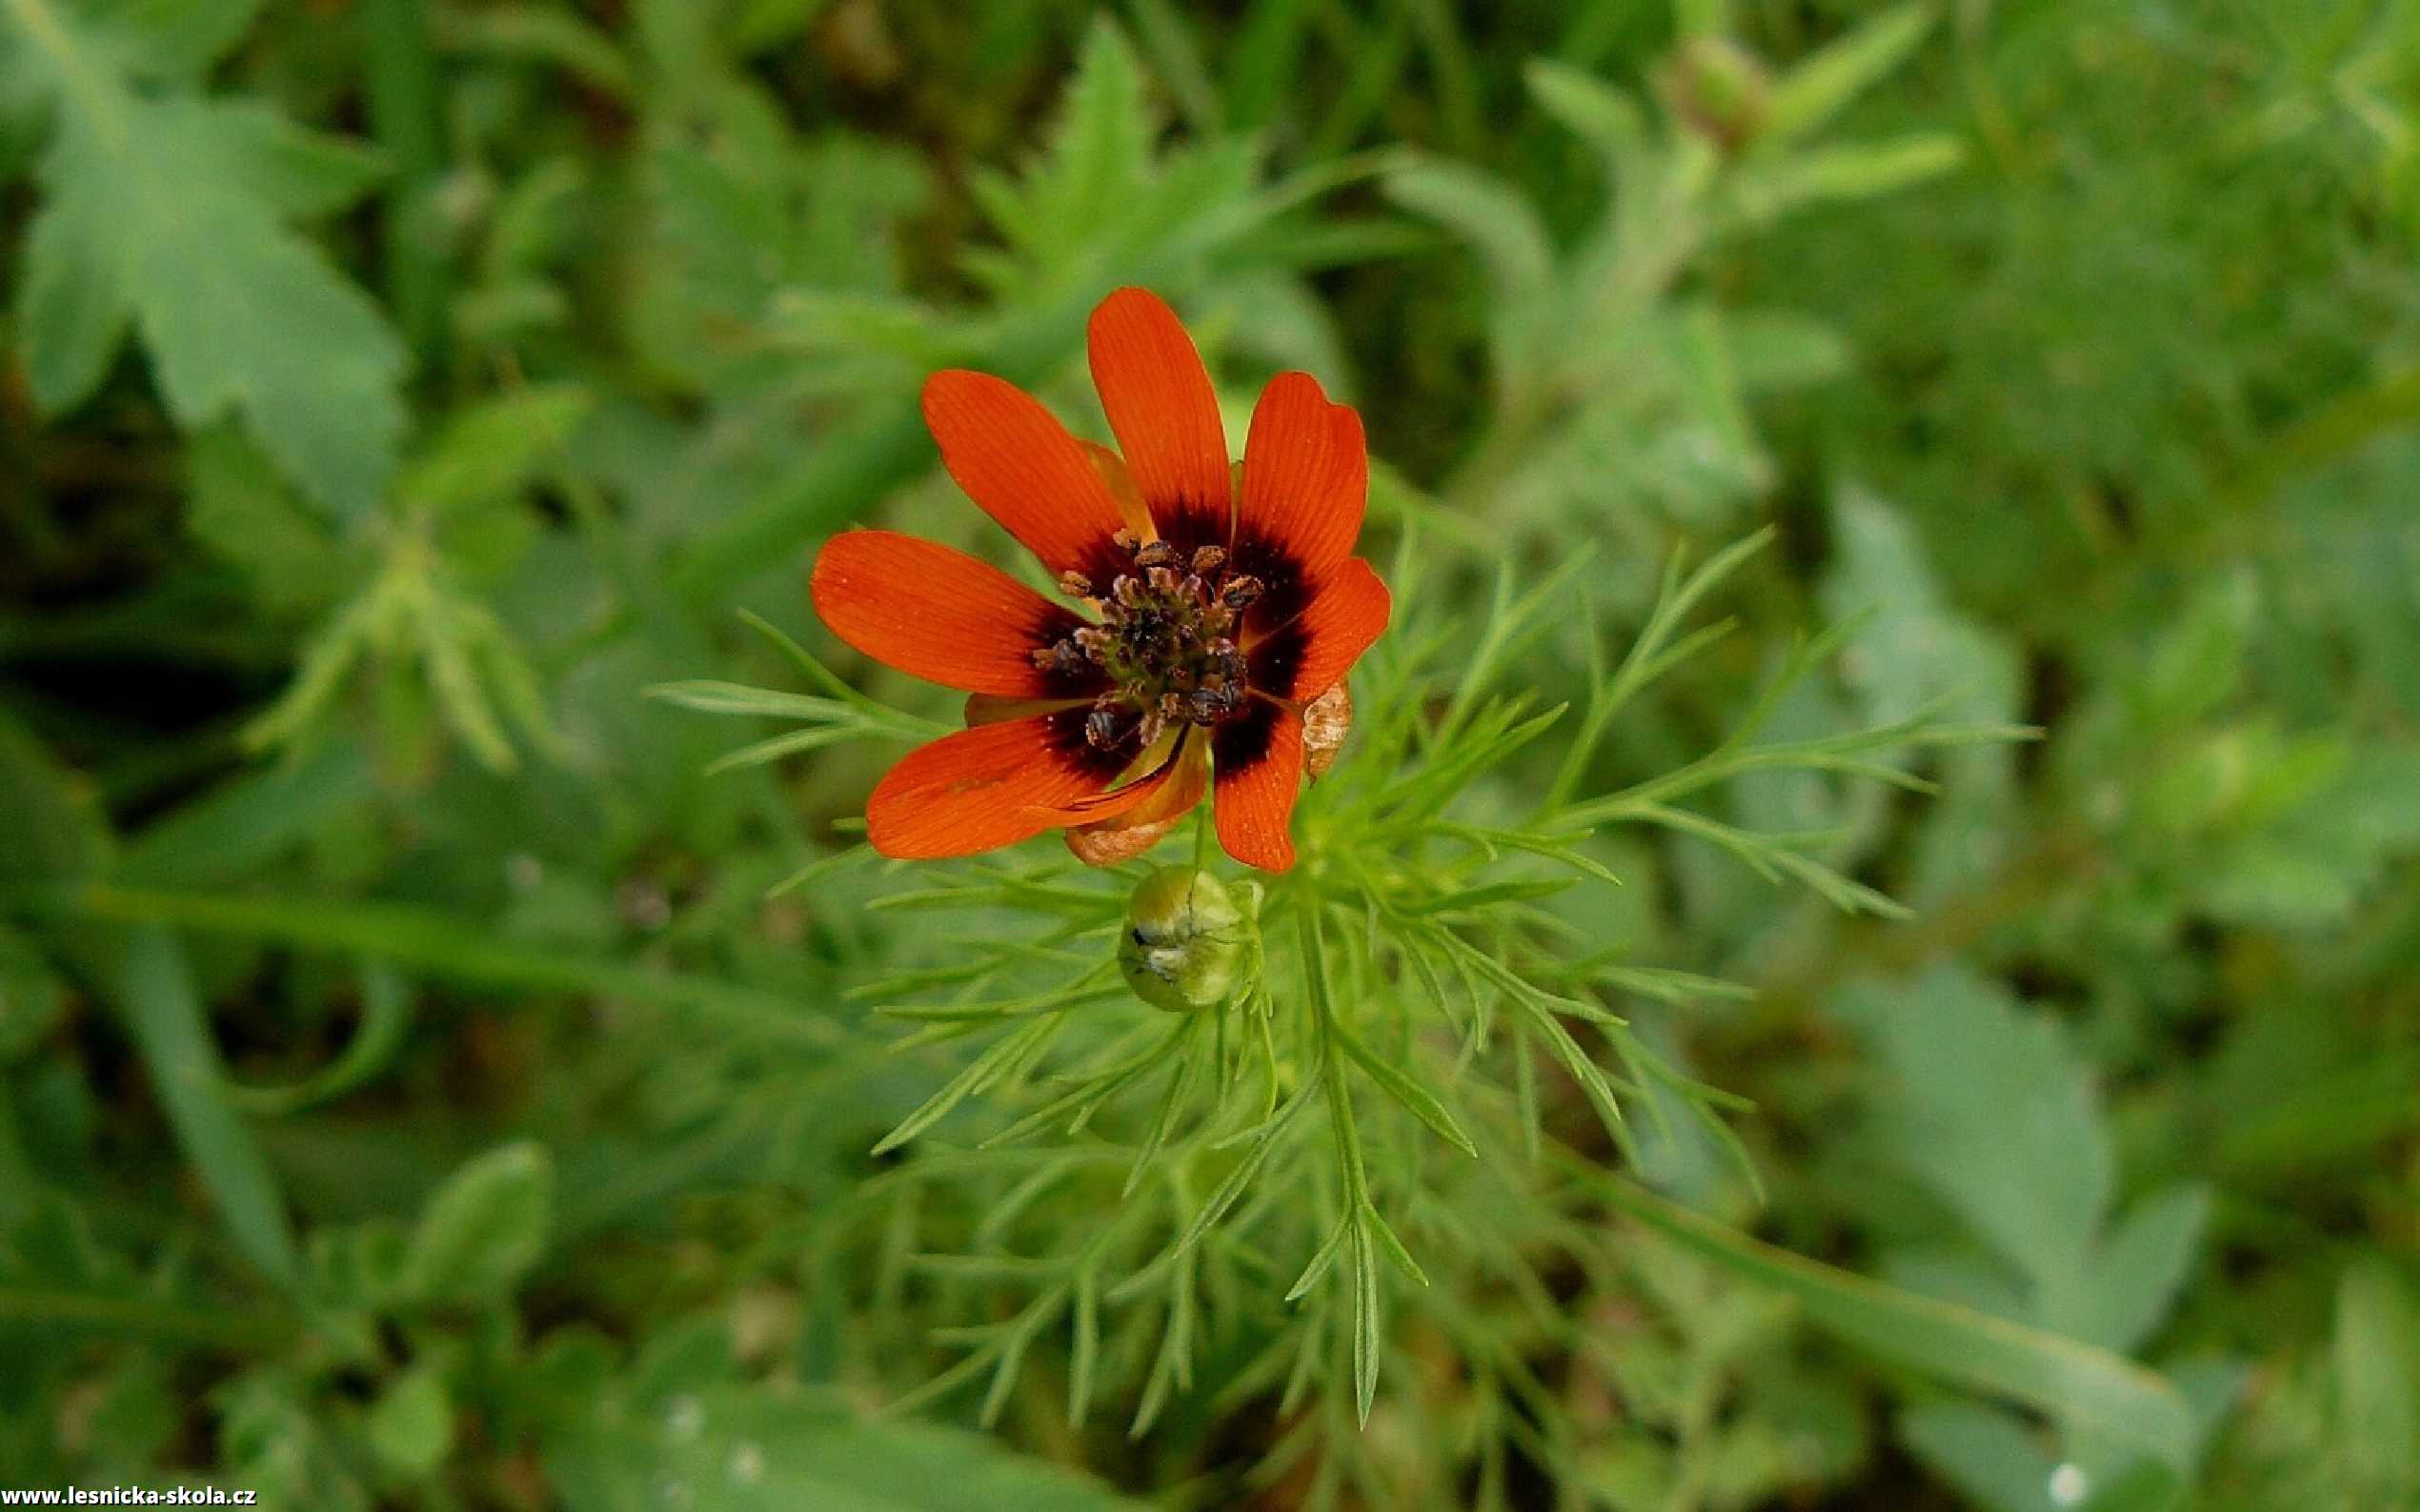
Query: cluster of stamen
x=1165, y=641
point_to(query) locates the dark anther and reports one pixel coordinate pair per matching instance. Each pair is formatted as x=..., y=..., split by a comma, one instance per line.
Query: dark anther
x=1241, y=591
x=1164, y=642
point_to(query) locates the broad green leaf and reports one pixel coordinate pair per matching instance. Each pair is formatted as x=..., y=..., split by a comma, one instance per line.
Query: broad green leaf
x=484, y=1228
x=2377, y=1379
x=2140, y=1488
x=2142, y=1265
x=411, y=1424
x=1989, y=1454
x=752, y=1449
x=2123, y=1403
x=304, y=175
x=72, y=303
x=688, y=1357
x=572, y=1368
x=361, y=1265
x=2309, y=824
x=173, y=38
x=1989, y=1109
x=1912, y=650
x=153, y=217
x=2197, y=663
x=271, y=1442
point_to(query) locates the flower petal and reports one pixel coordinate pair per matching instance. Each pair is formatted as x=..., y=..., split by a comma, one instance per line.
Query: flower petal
x=985, y=788
x=1014, y=459
x=1131, y=508
x=1116, y=841
x=986, y=707
x=1306, y=483
x=1259, y=757
x=1160, y=402
x=1154, y=795
x=939, y=614
x=1307, y=655
x=1117, y=844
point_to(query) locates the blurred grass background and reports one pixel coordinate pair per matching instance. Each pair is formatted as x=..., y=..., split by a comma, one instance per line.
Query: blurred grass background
x=400, y=1056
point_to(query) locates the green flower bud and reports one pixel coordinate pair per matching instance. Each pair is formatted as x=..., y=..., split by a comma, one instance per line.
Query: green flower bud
x=1719, y=90
x=1187, y=943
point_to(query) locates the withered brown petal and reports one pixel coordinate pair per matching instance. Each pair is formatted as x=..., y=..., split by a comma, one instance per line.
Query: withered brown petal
x=1102, y=845
x=1326, y=721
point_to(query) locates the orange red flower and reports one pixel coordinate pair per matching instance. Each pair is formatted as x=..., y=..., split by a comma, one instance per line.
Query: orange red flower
x=1207, y=607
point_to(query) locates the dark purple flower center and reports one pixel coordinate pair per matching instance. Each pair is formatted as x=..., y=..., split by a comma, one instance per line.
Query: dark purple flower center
x=1165, y=643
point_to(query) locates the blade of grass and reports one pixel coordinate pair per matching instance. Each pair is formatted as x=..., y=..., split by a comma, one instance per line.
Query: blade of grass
x=400, y=64
x=144, y=971
x=386, y=1019
x=35, y=1308
x=454, y=949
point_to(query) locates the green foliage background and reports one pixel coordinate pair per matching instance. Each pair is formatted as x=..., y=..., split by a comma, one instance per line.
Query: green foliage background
x=429, y=1079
